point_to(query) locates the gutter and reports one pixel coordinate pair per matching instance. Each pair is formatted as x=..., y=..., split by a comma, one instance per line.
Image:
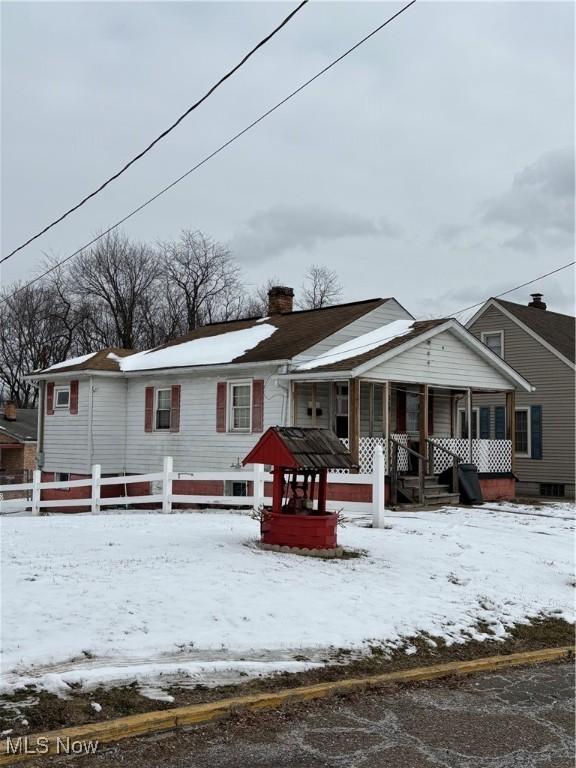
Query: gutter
x=216, y=367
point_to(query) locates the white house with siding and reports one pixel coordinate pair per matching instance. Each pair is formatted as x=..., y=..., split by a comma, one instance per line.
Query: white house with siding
x=367, y=370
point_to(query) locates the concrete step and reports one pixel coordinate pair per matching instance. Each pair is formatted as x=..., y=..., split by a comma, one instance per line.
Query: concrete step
x=427, y=485
x=442, y=498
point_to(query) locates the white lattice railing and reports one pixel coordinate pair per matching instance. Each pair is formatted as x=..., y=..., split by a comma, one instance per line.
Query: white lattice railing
x=488, y=455
x=366, y=452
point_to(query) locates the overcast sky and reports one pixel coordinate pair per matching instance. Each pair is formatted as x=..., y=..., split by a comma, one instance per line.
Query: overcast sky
x=435, y=164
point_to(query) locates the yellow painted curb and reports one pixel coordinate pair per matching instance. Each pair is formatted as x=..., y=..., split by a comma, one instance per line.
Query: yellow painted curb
x=14, y=751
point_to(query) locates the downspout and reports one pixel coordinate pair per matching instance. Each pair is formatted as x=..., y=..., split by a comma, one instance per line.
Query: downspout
x=90, y=415
x=41, y=425
x=125, y=448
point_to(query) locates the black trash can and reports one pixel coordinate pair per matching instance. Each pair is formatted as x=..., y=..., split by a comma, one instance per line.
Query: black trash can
x=470, y=491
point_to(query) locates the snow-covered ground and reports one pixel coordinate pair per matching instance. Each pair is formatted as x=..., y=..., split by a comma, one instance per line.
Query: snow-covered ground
x=132, y=596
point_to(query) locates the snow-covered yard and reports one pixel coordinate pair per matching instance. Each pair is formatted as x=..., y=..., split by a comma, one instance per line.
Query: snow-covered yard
x=126, y=596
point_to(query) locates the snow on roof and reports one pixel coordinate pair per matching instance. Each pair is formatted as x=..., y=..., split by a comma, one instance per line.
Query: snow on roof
x=70, y=361
x=360, y=344
x=209, y=350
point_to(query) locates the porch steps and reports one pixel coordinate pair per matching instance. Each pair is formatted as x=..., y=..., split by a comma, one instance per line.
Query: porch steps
x=435, y=493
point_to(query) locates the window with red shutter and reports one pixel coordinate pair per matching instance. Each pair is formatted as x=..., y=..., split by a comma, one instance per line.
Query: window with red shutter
x=257, y=405
x=148, y=409
x=175, y=409
x=221, y=391
x=50, y=398
x=74, y=396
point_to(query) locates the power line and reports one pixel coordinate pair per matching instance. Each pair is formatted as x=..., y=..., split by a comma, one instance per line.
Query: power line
x=164, y=133
x=212, y=154
x=511, y=290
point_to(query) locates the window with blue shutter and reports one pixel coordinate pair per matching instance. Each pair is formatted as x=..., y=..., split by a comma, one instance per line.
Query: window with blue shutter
x=484, y=423
x=500, y=422
x=536, y=431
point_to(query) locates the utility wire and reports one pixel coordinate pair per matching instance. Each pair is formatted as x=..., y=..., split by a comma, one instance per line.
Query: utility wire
x=511, y=290
x=212, y=154
x=159, y=138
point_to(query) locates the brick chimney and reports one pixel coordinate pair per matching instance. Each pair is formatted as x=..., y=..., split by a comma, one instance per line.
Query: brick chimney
x=537, y=301
x=10, y=410
x=280, y=300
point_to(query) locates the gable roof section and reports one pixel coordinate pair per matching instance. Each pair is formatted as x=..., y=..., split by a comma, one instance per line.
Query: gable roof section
x=295, y=332
x=97, y=361
x=361, y=356
x=420, y=331
x=553, y=329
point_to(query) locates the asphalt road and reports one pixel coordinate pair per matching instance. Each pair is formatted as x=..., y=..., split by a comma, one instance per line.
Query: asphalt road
x=523, y=718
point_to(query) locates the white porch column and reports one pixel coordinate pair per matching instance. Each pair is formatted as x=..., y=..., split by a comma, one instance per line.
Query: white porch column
x=386, y=425
x=469, y=420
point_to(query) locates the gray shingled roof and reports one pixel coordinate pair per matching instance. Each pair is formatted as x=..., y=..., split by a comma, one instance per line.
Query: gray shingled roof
x=557, y=329
x=24, y=428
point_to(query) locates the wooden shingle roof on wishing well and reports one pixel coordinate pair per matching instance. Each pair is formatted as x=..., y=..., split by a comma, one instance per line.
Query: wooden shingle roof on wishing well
x=301, y=447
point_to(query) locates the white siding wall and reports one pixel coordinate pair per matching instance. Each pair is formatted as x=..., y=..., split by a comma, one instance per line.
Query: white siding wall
x=109, y=423
x=444, y=360
x=442, y=420
x=197, y=446
x=66, y=435
x=382, y=315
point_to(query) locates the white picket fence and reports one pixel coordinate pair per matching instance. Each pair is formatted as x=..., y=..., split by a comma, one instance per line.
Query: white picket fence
x=167, y=497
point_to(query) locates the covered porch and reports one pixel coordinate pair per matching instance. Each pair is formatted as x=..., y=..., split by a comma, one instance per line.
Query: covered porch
x=413, y=423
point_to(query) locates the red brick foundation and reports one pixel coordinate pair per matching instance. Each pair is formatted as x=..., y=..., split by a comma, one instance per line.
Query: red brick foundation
x=498, y=488
x=304, y=531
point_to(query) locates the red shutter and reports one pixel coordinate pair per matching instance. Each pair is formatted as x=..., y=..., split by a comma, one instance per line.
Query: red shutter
x=257, y=405
x=221, y=389
x=50, y=398
x=74, y=396
x=401, y=410
x=430, y=413
x=175, y=409
x=148, y=409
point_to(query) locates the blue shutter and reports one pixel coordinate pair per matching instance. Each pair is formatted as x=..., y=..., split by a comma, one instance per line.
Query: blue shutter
x=500, y=422
x=484, y=423
x=536, y=431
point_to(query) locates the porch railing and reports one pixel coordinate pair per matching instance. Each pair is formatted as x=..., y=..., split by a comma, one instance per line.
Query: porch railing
x=487, y=455
x=366, y=452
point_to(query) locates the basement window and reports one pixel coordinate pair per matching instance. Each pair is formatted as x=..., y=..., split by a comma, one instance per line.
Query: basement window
x=236, y=488
x=558, y=490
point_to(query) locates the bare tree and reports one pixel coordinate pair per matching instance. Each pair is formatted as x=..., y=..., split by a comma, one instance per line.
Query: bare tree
x=32, y=335
x=116, y=279
x=321, y=288
x=204, y=274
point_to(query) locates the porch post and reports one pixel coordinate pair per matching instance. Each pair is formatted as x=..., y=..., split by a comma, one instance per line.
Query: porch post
x=423, y=419
x=469, y=420
x=354, y=419
x=294, y=402
x=386, y=425
x=511, y=425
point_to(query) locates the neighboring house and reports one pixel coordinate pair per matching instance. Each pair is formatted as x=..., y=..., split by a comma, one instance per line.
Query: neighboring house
x=366, y=369
x=17, y=443
x=539, y=344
